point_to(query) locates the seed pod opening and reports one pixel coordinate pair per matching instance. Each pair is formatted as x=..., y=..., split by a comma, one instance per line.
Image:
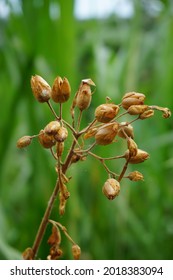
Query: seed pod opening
x=40, y=88
x=106, y=112
x=111, y=188
x=147, y=114
x=60, y=90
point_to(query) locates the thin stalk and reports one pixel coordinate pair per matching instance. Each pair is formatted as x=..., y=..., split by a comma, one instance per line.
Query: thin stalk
x=52, y=110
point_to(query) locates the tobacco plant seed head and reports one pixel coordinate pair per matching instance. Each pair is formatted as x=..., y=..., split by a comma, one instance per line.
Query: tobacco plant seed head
x=140, y=156
x=60, y=90
x=106, y=112
x=24, y=142
x=47, y=141
x=61, y=134
x=111, y=188
x=52, y=128
x=137, y=109
x=40, y=88
x=135, y=176
x=106, y=133
x=125, y=130
x=76, y=251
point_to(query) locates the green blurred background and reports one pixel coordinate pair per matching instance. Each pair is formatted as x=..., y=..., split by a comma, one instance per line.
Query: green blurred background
x=120, y=54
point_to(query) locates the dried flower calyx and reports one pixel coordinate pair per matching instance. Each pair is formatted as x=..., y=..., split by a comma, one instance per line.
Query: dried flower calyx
x=40, y=88
x=60, y=90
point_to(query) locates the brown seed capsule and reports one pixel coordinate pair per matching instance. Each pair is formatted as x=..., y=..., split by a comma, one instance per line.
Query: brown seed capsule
x=125, y=130
x=61, y=134
x=111, y=188
x=140, y=156
x=55, y=252
x=90, y=133
x=132, y=98
x=147, y=114
x=135, y=176
x=166, y=113
x=76, y=251
x=40, y=88
x=55, y=237
x=52, y=128
x=28, y=254
x=62, y=204
x=60, y=90
x=106, y=112
x=47, y=141
x=84, y=94
x=59, y=148
x=132, y=146
x=106, y=133
x=137, y=109
x=24, y=142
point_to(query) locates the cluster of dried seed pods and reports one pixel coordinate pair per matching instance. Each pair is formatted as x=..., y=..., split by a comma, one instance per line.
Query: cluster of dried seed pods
x=105, y=129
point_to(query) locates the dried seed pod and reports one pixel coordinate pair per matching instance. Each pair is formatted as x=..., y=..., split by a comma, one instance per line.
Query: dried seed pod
x=61, y=134
x=147, y=114
x=140, y=156
x=135, y=176
x=47, y=141
x=137, y=109
x=166, y=113
x=52, y=128
x=76, y=251
x=106, y=133
x=132, y=146
x=59, y=148
x=60, y=90
x=24, y=142
x=106, y=112
x=62, y=204
x=28, y=254
x=125, y=130
x=55, y=237
x=40, y=88
x=111, y=188
x=90, y=133
x=84, y=94
x=55, y=252
x=132, y=98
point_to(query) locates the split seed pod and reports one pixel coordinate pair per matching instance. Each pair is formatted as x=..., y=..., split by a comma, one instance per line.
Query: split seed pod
x=40, y=88
x=111, y=188
x=132, y=146
x=132, y=98
x=147, y=114
x=60, y=90
x=106, y=112
x=24, y=142
x=47, y=141
x=106, y=133
x=140, y=156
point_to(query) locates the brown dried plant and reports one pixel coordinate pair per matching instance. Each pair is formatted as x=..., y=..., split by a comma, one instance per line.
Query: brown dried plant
x=104, y=128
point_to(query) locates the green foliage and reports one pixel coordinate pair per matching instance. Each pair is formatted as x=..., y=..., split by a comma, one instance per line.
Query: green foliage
x=120, y=55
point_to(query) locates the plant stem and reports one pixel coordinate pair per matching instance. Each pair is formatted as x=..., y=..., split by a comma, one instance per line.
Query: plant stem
x=44, y=221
